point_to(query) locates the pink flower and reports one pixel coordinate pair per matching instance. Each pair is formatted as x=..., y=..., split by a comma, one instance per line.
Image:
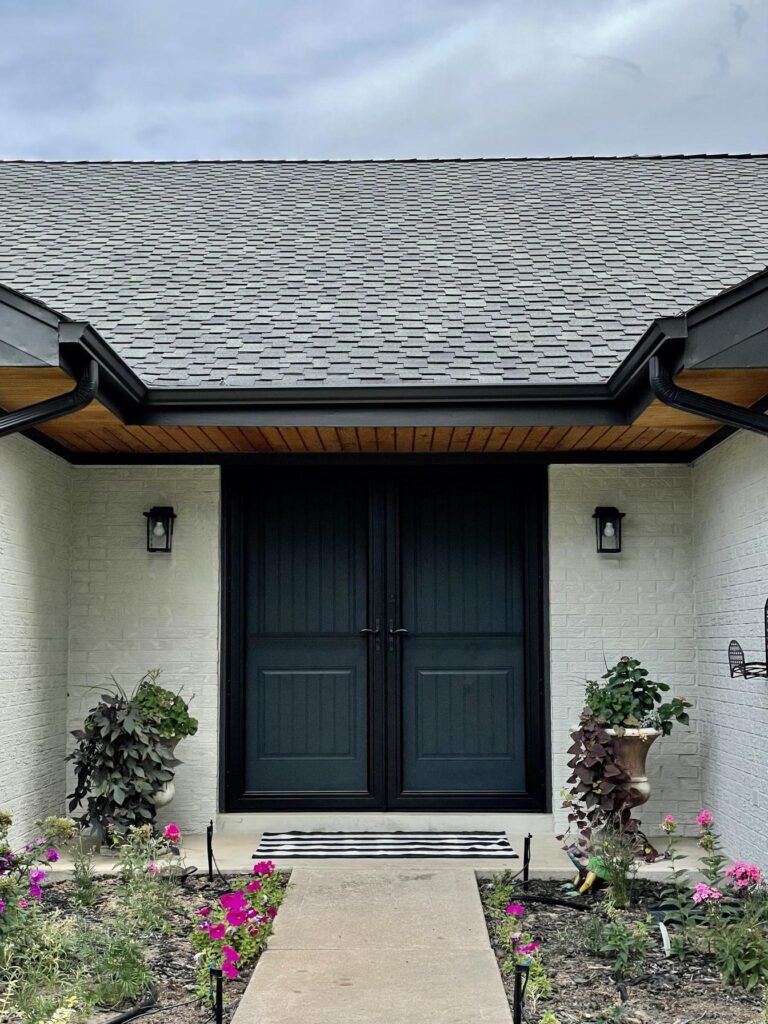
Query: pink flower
x=229, y=969
x=515, y=910
x=705, y=818
x=35, y=891
x=233, y=900
x=23, y=903
x=52, y=856
x=204, y=911
x=530, y=948
x=669, y=824
x=2, y=906
x=36, y=877
x=236, y=917
x=217, y=931
x=172, y=832
x=743, y=875
x=254, y=885
x=705, y=894
x=204, y=926
x=272, y=912
x=230, y=953
x=152, y=868
x=264, y=867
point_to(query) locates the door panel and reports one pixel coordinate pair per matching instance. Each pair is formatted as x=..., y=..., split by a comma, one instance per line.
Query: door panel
x=306, y=600
x=462, y=661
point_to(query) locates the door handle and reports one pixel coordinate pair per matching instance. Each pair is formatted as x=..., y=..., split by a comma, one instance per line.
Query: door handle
x=394, y=632
x=372, y=632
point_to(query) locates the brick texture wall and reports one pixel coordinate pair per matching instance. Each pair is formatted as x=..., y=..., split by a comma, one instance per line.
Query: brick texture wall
x=639, y=602
x=730, y=486
x=34, y=584
x=131, y=610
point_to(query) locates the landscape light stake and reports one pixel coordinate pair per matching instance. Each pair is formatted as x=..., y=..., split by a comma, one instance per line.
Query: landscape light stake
x=526, y=860
x=218, y=995
x=209, y=846
x=521, y=972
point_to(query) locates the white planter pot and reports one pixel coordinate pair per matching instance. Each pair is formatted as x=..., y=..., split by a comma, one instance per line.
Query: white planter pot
x=631, y=751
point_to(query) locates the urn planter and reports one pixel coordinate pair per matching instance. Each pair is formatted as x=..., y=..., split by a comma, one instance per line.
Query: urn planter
x=631, y=747
x=166, y=793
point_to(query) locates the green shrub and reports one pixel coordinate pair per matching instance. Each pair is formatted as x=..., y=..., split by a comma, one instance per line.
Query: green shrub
x=625, y=945
x=167, y=711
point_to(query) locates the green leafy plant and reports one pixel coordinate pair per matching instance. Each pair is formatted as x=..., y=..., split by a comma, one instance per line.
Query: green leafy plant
x=740, y=945
x=120, y=764
x=626, y=945
x=167, y=711
x=83, y=876
x=630, y=699
x=148, y=866
x=549, y=1018
x=614, y=858
x=22, y=873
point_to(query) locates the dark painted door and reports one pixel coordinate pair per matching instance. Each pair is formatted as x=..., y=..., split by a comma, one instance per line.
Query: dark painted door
x=384, y=639
x=459, y=661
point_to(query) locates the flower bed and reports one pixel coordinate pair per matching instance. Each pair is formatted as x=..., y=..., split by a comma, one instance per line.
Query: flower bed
x=603, y=957
x=91, y=947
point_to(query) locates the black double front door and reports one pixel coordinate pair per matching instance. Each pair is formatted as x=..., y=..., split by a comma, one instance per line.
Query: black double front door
x=384, y=638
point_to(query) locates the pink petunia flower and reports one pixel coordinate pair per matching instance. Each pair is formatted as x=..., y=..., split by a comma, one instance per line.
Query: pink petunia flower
x=530, y=948
x=272, y=912
x=233, y=900
x=204, y=926
x=705, y=817
x=515, y=910
x=230, y=953
x=229, y=969
x=172, y=832
x=236, y=917
x=217, y=931
x=204, y=912
x=264, y=867
x=254, y=885
x=705, y=894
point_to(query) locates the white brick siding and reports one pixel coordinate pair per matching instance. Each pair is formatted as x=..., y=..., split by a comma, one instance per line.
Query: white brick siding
x=34, y=585
x=131, y=610
x=639, y=602
x=730, y=487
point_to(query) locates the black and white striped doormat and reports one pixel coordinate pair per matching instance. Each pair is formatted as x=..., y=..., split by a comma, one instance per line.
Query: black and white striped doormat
x=384, y=844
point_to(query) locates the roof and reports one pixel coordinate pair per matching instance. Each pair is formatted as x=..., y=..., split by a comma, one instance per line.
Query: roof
x=281, y=274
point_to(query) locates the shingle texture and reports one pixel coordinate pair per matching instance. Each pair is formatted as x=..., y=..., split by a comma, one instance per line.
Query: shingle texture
x=282, y=274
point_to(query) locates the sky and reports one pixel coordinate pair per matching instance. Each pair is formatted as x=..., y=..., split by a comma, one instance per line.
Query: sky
x=337, y=79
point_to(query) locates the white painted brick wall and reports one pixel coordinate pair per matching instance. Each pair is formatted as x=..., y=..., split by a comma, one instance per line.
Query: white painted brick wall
x=131, y=610
x=34, y=584
x=730, y=486
x=639, y=603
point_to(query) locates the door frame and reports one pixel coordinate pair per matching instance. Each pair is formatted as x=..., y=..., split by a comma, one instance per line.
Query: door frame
x=232, y=739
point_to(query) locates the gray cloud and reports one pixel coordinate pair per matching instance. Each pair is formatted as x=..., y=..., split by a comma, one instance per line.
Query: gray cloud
x=357, y=78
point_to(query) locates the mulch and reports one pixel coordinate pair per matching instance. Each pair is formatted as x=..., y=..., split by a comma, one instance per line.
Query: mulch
x=661, y=990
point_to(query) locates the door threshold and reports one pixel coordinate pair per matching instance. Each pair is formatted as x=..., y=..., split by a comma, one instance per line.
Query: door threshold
x=516, y=823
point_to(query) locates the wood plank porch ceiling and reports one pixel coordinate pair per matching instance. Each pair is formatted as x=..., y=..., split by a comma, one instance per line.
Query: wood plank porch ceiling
x=658, y=429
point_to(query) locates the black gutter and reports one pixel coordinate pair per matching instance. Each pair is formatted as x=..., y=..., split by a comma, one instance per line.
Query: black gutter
x=661, y=368
x=78, y=398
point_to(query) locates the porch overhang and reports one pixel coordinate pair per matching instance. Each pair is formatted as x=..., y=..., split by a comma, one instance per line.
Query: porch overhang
x=718, y=349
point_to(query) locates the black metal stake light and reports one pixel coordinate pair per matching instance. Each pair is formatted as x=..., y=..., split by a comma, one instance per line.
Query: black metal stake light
x=526, y=861
x=521, y=984
x=160, y=528
x=209, y=848
x=218, y=994
x=608, y=529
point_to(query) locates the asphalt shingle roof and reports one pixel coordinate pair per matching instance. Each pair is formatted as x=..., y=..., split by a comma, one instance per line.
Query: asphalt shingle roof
x=371, y=273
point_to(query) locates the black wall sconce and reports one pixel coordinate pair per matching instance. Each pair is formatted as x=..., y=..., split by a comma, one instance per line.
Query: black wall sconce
x=160, y=528
x=608, y=529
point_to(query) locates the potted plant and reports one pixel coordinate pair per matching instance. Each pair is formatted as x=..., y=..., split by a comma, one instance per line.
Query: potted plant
x=123, y=759
x=631, y=708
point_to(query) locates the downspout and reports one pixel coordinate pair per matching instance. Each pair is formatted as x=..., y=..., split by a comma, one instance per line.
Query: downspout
x=665, y=389
x=81, y=395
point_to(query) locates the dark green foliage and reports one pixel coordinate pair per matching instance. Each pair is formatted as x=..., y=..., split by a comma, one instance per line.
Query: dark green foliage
x=120, y=764
x=625, y=945
x=740, y=942
x=629, y=699
x=166, y=710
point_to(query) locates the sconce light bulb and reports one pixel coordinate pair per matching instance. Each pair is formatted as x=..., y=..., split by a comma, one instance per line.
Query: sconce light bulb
x=609, y=530
x=158, y=530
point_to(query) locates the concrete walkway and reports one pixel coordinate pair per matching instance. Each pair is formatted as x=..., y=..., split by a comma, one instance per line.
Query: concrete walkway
x=381, y=944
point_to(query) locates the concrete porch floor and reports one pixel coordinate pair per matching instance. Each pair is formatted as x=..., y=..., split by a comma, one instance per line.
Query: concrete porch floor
x=234, y=851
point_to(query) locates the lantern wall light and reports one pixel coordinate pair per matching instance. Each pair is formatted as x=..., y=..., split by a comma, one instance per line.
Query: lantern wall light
x=160, y=528
x=608, y=529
